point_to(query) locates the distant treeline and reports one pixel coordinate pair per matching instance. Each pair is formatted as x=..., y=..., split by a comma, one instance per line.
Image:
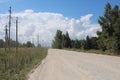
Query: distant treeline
x=13, y=44
x=108, y=38
x=63, y=41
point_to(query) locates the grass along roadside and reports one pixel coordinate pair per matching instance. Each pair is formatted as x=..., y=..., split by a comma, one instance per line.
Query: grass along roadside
x=107, y=52
x=87, y=51
x=15, y=66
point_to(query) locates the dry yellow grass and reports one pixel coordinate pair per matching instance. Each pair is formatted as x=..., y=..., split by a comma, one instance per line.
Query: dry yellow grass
x=15, y=66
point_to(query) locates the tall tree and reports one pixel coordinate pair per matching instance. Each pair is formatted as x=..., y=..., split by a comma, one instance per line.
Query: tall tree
x=64, y=41
x=109, y=22
x=57, y=42
x=29, y=44
x=94, y=44
x=105, y=22
x=68, y=40
x=115, y=39
x=87, y=44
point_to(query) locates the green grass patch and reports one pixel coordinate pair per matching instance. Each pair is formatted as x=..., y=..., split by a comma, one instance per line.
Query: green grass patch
x=15, y=66
x=107, y=52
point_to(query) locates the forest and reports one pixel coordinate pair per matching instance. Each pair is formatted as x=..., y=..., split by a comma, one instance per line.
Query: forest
x=108, y=39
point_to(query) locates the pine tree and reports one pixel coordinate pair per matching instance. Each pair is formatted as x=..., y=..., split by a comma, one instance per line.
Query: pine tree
x=109, y=22
x=57, y=42
x=68, y=40
x=87, y=44
x=64, y=41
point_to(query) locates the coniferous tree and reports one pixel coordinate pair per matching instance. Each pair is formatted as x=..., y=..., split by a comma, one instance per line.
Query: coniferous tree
x=68, y=40
x=64, y=41
x=87, y=44
x=109, y=36
x=94, y=44
x=57, y=42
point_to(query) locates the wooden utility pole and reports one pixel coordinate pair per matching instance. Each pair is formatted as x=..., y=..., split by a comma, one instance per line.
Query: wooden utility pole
x=6, y=38
x=9, y=26
x=38, y=40
x=16, y=34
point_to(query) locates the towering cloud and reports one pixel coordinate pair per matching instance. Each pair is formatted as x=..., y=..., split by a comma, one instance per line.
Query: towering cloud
x=45, y=24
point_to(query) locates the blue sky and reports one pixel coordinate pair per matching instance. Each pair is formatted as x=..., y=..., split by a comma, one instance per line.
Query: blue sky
x=69, y=8
x=44, y=17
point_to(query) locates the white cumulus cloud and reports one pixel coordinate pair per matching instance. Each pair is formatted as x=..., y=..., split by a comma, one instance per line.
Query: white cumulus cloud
x=86, y=19
x=45, y=24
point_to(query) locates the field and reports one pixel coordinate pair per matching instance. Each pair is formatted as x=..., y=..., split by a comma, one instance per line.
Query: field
x=15, y=66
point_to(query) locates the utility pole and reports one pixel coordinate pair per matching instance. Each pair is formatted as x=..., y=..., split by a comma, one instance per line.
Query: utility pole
x=9, y=26
x=16, y=34
x=6, y=38
x=38, y=41
x=32, y=41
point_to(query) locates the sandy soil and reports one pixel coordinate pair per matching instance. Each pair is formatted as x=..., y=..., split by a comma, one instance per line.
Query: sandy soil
x=70, y=65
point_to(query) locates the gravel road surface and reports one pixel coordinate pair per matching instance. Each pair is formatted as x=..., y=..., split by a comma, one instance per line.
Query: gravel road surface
x=70, y=65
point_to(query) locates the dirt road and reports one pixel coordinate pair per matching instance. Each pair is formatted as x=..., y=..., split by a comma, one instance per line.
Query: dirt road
x=70, y=65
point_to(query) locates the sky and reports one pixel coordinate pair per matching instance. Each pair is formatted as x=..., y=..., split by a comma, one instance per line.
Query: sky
x=43, y=17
